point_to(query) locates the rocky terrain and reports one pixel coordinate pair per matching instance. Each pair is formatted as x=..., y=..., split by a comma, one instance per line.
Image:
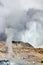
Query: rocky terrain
x=23, y=51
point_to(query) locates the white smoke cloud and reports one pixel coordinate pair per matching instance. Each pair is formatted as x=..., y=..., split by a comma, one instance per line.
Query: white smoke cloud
x=13, y=14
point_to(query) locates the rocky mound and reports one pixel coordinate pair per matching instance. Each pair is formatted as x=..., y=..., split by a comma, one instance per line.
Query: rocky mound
x=23, y=51
x=22, y=44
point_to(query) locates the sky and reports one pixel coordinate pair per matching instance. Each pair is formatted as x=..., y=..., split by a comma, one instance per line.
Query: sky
x=25, y=19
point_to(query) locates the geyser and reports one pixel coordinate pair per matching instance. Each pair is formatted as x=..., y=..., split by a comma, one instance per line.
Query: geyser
x=9, y=34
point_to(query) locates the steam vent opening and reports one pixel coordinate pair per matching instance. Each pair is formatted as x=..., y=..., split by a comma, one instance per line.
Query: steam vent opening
x=41, y=61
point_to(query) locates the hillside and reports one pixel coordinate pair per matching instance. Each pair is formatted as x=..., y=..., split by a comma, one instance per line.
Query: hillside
x=22, y=51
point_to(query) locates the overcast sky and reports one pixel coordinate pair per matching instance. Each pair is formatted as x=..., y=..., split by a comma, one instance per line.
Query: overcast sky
x=13, y=13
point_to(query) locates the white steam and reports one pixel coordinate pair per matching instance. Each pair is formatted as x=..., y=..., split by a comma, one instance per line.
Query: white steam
x=25, y=27
x=9, y=33
x=28, y=27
